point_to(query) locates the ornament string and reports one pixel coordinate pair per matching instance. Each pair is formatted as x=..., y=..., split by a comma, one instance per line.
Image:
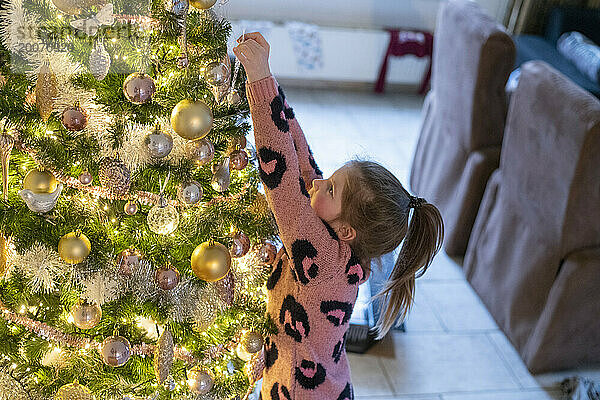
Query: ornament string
x=236, y=66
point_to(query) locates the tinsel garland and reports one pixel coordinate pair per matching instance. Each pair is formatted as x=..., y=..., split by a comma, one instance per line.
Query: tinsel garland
x=143, y=197
x=48, y=332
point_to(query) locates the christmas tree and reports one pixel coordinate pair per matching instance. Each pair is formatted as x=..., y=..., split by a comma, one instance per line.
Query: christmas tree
x=134, y=240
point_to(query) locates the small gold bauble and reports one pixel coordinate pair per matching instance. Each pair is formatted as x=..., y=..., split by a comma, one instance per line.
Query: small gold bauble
x=200, y=381
x=202, y=4
x=253, y=342
x=74, y=247
x=86, y=315
x=40, y=181
x=192, y=119
x=211, y=261
x=74, y=391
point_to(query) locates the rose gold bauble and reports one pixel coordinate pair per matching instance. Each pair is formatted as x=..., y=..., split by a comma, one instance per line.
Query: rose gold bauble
x=130, y=208
x=167, y=277
x=211, y=261
x=240, y=245
x=267, y=253
x=138, y=88
x=74, y=119
x=86, y=178
x=86, y=315
x=115, y=351
x=128, y=261
x=238, y=159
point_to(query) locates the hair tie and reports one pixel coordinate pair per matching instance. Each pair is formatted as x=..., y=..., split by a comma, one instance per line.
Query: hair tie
x=416, y=202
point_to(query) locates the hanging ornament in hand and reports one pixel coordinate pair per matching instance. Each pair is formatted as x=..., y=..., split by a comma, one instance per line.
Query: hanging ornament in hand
x=99, y=61
x=252, y=341
x=86, y=178
x=200, y=381
x=74, y=247
x=239, y=159
x=128, y=261
x=203, y=4
x=139, y=88
x=211, y=261
x=167, y=277
x=192, y=119
x=86, y=315
x=267, y=253
x=6, y=144
x=202, y=151
x=158, y=144
x=217, y=74
x=222, y=176
x=163, y=218
x=45, y=91
x=163, y=356
x=240, y=245
x=74, y=391
x=114, y=176
x=115, y=350
x=74, y=118
x=190, y=193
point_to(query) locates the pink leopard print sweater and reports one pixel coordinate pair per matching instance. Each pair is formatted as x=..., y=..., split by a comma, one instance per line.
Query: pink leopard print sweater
x=314, y=283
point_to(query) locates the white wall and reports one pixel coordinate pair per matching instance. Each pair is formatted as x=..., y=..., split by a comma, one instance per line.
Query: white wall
x=353, y=40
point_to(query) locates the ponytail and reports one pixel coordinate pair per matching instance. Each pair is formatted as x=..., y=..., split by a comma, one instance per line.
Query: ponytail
x=423, y=240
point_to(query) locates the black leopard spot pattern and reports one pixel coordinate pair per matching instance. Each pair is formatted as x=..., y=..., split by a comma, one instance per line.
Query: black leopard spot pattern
x=354, y=271
x=313, y=163
x=276, y=115
x=287, y=110
x=278, y=393
x=303, y=254
x=297, y=326
x=271, y=167
x=331, y=231
x=310, y=375
x=271, y=352
x=347, y=393
x=275, y=275
x=338, y=350
x=337, y=312
x=303, y=188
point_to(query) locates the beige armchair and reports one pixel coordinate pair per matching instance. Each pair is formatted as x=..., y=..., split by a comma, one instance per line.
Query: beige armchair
x=534, y=253
x=459, y=145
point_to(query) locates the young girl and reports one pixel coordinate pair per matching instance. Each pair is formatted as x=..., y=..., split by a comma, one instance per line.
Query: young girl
x=331, y=230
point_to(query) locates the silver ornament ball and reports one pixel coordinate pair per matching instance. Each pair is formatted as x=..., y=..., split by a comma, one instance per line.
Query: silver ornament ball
x=158, y=144
x=200, y=381
x=202, y=151
x=190, y=192
x=163, y=219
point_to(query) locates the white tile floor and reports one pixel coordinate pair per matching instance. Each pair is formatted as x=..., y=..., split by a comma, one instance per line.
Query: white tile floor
x=452, y=349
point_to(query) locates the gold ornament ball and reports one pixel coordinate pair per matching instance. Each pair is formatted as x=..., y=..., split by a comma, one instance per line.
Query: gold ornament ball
x=74, y=391
x=40, y=181
x=86, y=315
x=115, y=351
x=200, y=381
x=253, y=342
x=211, y=261
x=202, y=4
x=192, y=119
x=74, y=247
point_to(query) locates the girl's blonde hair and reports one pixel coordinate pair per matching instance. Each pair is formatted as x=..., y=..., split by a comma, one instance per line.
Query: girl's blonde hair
x=376, y=205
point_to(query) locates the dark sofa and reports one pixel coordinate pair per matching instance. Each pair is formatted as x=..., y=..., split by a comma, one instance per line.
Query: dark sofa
x=561, y=20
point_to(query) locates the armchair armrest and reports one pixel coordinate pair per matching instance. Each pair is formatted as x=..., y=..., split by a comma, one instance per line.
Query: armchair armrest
x=567, y=19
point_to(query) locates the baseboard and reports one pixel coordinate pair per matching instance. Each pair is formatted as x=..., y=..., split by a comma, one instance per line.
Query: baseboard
x=346, y=85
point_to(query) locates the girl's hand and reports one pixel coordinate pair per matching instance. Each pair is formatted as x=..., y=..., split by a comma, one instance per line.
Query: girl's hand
x=253, y=53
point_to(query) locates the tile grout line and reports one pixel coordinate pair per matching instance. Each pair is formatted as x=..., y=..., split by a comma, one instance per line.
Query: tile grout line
x=505, y=361
x=386, y=376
